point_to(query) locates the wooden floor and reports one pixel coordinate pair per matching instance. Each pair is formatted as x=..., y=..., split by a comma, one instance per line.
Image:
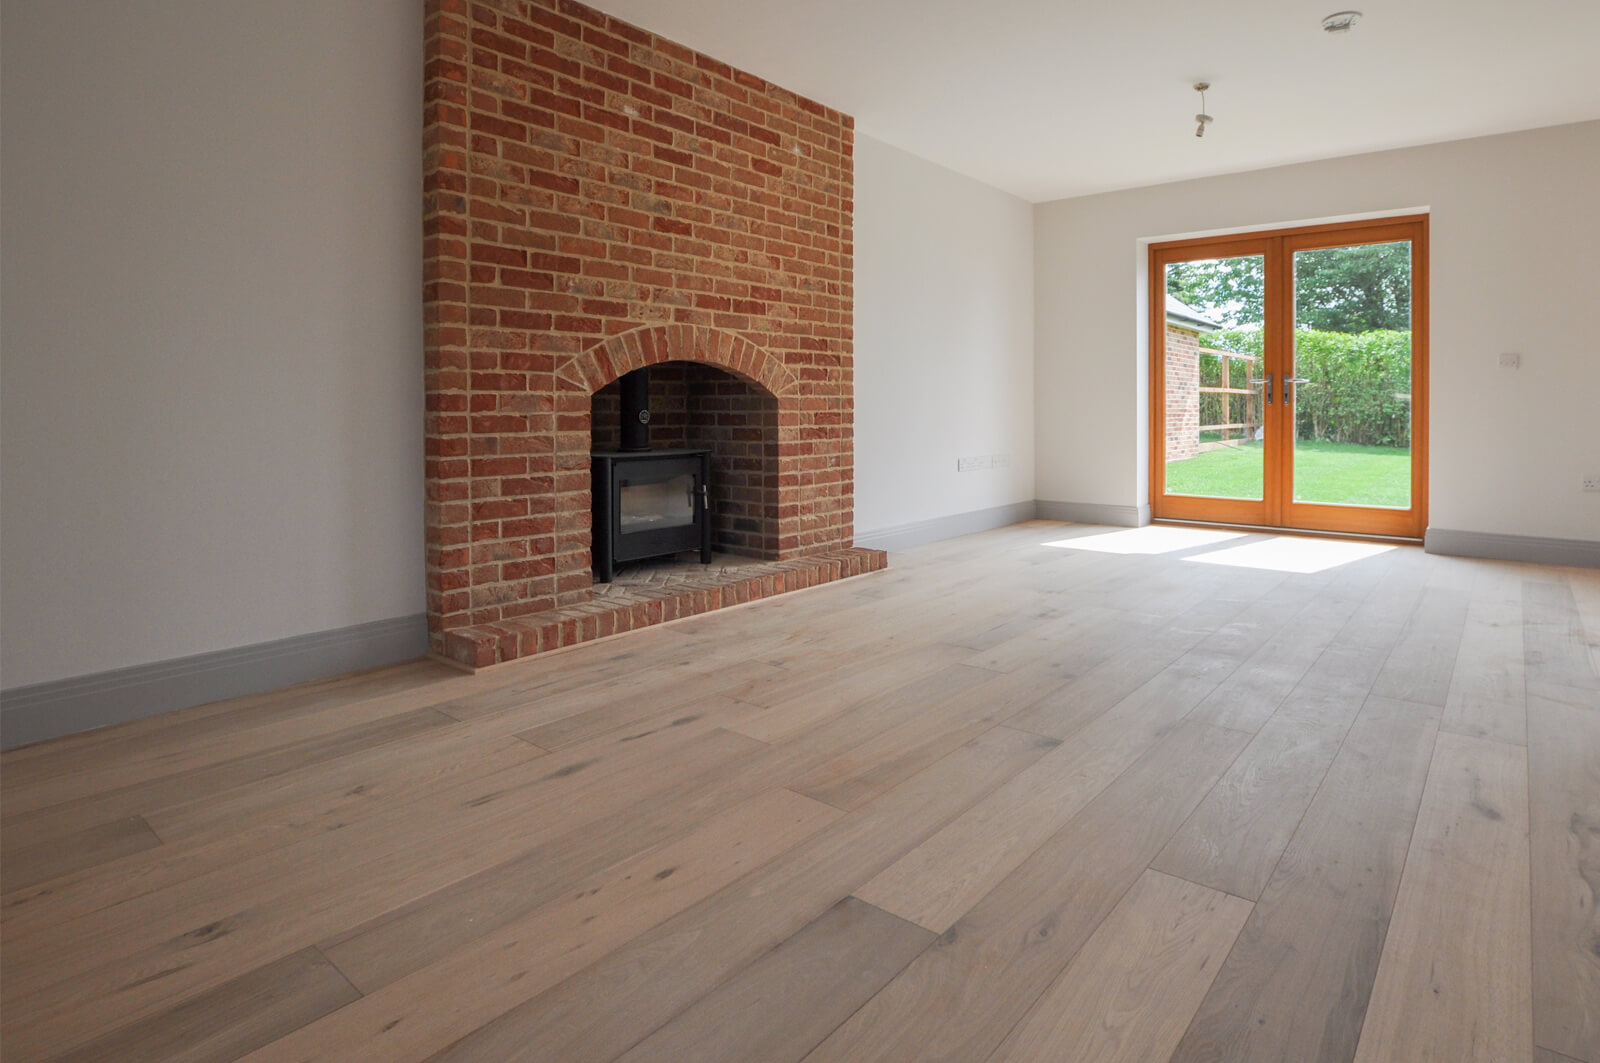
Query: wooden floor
x=1017, y=798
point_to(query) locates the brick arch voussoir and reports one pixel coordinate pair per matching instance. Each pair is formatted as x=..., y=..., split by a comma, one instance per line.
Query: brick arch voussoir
x=598, y=366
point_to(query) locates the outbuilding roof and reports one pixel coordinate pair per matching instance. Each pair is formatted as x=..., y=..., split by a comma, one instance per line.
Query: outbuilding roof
x=1185, y=316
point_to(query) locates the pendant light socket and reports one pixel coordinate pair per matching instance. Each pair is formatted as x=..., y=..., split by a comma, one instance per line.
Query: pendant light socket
x=1202, y=119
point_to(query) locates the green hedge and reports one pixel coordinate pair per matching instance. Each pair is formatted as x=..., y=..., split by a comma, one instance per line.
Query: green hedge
x=1359, y=383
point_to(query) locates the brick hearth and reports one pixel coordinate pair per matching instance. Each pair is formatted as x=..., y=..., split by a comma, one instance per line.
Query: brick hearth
x=599, y=199
x=653, y=595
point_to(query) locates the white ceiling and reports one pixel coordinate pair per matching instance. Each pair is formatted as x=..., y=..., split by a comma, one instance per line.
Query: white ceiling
x=1053, y=98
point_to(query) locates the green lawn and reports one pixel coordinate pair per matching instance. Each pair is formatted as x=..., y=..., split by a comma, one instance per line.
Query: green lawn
x=1340, y=473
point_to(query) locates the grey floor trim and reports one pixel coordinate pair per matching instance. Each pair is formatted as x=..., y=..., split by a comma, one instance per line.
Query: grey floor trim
x=903, y=536
x=67, y=706
x=1581, y=552
x=1094, y=513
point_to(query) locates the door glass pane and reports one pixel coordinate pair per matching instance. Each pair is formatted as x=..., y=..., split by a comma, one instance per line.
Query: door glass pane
x=1213, y=362
x=665, y=504
x=1352, y=375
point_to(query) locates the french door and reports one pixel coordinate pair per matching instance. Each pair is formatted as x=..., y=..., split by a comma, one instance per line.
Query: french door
x=1289, y=378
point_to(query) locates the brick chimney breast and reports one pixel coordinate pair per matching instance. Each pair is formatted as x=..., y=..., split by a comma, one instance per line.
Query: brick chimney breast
x=597, y=198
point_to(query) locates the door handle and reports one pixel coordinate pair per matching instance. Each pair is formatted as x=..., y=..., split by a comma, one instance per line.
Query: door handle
x=1292, y=380
x=1267, y=380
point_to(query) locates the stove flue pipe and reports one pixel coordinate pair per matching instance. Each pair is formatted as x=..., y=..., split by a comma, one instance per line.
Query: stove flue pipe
x=635, y=387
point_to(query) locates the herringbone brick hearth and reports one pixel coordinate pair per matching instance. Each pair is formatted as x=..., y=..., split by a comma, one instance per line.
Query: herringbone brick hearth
x=655, y=593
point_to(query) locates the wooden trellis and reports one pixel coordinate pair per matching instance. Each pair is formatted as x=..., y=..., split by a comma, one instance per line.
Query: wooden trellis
x=1247, y=427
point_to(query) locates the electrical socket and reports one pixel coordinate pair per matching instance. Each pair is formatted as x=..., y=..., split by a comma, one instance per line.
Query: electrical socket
x=1510, y=360
x=972, y=464
x=1592, y=482
x=1000, y=461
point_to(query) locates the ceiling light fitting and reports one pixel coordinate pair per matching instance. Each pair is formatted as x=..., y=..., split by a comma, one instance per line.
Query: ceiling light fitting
x=1340, y=21
x=1202, y=119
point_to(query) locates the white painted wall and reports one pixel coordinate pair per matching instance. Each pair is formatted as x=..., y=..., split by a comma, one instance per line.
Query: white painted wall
x=212, y=382
x=943, y=340
x=1514, y=226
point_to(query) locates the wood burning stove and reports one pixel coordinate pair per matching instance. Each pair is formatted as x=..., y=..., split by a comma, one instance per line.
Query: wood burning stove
x=647, y=503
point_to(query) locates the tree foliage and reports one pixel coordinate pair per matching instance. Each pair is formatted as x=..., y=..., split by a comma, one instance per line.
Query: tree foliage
x=1362, y=288
x=1229, y=291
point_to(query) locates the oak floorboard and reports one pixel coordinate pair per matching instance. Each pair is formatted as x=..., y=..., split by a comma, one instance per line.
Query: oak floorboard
x=291, y=808
x=1129, y=992
x=1028, y=621
x=641, y=714
x=405, y=768
x=1564, y=799
x=1071, y=645
x=645, y=660
x=115, y=916
x=1455, y=978
x=407, y=939
x=70, y=816
x=1585, y=587
x=157, y=948
x=396, y=943
x=1420, y=666
x=816, y=979
x=1234, y=839
x=814, y=703
x=398, y=1023
x=596, y=1015
x=218, y=723
x=1488, y=688
x=946, y=723
x=1122, y=675
x=959, y=999
x=237, y=1017
x=1544, y=1055
x=158, y=759
x=1556, y=646
x=1298, y=979
x=1564, y=783
x=1351, y=662
x=572, y=716
x=937, y=882
x=45, y=861
x=1286, y=639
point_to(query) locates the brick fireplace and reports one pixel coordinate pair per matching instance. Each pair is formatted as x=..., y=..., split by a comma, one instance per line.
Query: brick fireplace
x=599, y=199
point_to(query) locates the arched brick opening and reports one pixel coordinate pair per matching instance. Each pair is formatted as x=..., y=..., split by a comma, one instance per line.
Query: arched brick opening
x=598, y=366
x=695, y=406
x=709, y=390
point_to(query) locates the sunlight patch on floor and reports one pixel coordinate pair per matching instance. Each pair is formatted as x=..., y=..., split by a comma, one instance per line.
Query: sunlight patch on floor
x=1292, y=554
x=1151, y=539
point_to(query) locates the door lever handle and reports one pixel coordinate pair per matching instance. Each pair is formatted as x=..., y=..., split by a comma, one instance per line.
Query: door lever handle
x=1292, y=380
x=1267, y=380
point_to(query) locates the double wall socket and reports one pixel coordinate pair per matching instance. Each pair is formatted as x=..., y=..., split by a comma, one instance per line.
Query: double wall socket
x=983, y=461
x=1592, y=482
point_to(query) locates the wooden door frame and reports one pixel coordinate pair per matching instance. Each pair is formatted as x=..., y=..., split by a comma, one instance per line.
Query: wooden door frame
x=1194, y=507
x=1277, y=507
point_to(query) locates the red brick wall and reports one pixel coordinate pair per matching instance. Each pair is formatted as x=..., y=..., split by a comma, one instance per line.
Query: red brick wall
x=1183, y=394
x=598, y=198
